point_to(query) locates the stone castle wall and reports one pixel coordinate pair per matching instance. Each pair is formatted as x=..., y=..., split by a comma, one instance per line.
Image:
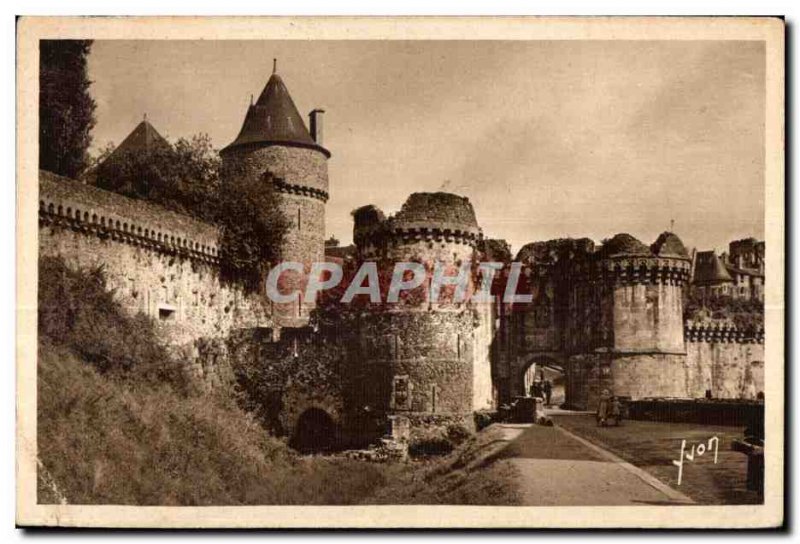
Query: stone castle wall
x=614, y=321
x=160, y=263
x=648, y=317
x=609, y=327
x=418, y=362
x=726, y=361
x=629, y=304
x=729, y=369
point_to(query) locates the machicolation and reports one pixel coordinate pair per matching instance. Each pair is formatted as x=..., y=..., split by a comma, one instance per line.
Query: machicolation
x=609, y=317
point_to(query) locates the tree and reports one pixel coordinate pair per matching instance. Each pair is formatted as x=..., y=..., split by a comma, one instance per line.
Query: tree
x=253, y=227
x=746, y=314
x=186, y=178
x=183, y=177
x=66, y=109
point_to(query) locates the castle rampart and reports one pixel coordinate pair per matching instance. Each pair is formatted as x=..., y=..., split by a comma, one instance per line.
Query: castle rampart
x=95, y=211
x=610, y=317
x=159, y=262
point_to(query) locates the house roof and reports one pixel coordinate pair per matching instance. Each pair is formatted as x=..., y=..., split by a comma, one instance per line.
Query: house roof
x=746, y=271
x=275, y=119
x=143, y=138
x=709, y=269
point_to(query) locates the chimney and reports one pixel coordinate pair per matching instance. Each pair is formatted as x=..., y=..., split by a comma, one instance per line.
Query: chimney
x=315, y=121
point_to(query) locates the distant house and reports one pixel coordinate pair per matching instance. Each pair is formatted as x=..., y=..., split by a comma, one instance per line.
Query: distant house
x=711, y=277
x=738, y=274
x=745, y=264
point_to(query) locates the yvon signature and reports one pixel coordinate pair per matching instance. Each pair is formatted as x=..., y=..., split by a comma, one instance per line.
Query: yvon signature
x=699, y=450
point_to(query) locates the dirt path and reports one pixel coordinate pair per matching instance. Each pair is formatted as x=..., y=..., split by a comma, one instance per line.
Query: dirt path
x=558, y=468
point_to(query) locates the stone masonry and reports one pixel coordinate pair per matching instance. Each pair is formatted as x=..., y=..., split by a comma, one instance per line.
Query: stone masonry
x=609, y=316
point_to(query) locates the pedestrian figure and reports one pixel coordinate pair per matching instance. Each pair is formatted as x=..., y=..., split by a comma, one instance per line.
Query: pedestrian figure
x=603, y=408
x=537, y=389
x=548, y=391
x=615, y=410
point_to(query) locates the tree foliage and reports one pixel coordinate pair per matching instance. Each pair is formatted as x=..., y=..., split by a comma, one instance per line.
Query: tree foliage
x=183, y=177
x=253, y=227
x=186, y=177
x=747, y=315
x=66, y=109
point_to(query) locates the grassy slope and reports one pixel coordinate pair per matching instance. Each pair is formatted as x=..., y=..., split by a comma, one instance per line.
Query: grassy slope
x=108, y=441
x=105, y=440
x=474, y=473
x=119, y=424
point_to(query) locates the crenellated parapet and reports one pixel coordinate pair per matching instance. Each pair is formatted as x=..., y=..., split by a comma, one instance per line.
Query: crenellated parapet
x=434, y=233
x=632, y=270
x=644, y=270
x=68, y=204
x=301, y=190
x=624, y=260
x=434, y=218
x=721, y=332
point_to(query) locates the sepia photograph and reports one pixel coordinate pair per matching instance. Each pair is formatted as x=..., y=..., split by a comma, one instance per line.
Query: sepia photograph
x=425, y=272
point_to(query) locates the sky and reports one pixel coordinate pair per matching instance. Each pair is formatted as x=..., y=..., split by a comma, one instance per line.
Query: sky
x=548, y=139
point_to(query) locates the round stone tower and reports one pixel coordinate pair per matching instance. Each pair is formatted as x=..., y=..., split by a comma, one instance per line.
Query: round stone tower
x=274, y=146
x=627, y=321
x=423, y=363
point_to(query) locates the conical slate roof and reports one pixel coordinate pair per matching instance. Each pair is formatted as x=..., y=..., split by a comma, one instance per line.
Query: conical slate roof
x=143, y=138
x=274, y=119
x=709, y=269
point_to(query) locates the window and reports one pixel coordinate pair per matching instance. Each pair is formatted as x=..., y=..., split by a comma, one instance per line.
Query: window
x=401, y=393
x=166, y=314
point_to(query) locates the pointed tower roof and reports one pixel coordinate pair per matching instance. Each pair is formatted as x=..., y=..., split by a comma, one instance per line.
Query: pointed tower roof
x=709, y=269
x=274, y=119
x=143, y=138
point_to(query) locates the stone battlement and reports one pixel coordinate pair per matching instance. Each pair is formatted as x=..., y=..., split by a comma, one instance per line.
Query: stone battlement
x=435, y=234
x=96, y=212
x=721, y=332
x=294, y=189
x=424, y=217
x=442, y=210
x=633, y=269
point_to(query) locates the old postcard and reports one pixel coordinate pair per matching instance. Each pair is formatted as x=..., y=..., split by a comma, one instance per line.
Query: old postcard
x=410, y=272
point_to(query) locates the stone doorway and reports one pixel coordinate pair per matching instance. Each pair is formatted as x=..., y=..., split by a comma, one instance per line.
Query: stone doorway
x=536, y=370
x=315, y=432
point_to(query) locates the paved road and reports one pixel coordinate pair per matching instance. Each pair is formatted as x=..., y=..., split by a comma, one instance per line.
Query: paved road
x=558, y=468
